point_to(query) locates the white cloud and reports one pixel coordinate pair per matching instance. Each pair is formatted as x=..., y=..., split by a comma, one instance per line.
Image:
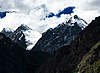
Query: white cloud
x=32, y=20
x=31, y=11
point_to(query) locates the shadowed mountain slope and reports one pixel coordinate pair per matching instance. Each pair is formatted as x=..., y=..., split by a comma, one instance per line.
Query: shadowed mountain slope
x=14, y=59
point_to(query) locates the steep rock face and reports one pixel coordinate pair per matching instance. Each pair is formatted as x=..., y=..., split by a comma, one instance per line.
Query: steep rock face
x=61, y=35
x=79, y=47
x=23, y=36
x=14, y=59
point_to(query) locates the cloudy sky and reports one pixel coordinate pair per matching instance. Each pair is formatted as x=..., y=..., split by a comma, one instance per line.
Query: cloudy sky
x=33, y=12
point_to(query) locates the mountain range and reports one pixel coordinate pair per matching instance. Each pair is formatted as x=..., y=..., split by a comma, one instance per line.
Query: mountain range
x=71, y=47
x=51, y=39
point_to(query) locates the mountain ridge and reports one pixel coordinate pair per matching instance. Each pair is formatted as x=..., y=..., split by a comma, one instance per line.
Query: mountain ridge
x=61, y=35
x=79, y=47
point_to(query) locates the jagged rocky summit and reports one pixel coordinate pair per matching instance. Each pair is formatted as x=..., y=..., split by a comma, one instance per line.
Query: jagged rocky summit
x=61, y=35
x=23, y=36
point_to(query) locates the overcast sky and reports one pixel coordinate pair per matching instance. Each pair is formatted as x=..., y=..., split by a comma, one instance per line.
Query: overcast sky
x=30, y=12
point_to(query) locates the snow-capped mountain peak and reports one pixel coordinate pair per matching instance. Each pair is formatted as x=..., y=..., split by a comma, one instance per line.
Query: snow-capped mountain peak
x=23, y=27
x=23, y=36
x=7, y=30
x=75, y=19
x=71, y=20
x=61, y=35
